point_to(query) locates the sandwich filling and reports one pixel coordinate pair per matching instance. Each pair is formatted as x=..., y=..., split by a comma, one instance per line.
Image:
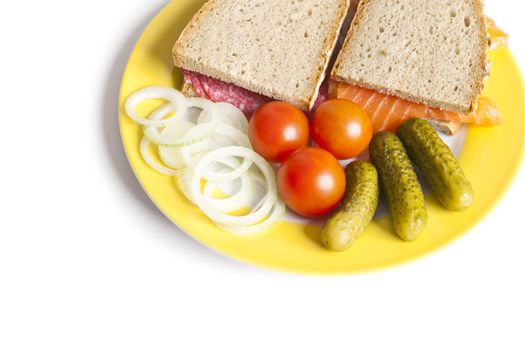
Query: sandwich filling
x=247, y=101
x=387, y=113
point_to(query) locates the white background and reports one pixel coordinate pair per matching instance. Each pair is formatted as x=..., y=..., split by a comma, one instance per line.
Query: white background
x=87, y=262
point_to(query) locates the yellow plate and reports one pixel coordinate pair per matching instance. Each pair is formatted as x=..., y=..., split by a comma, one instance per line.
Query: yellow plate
x=490, y=158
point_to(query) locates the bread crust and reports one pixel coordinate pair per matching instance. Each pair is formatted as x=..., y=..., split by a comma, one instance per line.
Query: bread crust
x=328, y=50
x=484, y=59
x=303, y=102
x=479, y=80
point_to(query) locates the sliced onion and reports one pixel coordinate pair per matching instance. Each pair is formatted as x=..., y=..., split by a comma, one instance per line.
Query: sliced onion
x=172, y=157
x=211, y=144
x=232, y=137
x=169, y=156
x=201, y=133
x=235, y=202
x=226, y=219
x=237, y=137
x=277, y=215
x=234, y=115
x=224, y=112
x=242, y=198
x=177, y=103
x=221, y=176
x=144, y=150
x=184, y=182
x=201, y=103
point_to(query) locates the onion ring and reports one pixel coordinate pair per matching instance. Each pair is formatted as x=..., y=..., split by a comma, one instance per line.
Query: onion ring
x=177, y=102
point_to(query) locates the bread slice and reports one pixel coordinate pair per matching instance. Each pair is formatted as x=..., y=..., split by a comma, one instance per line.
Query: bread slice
x=277, y=48
x=433, y=52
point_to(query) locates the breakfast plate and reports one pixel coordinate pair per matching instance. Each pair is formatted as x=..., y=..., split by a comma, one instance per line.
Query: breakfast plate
x=489, y=156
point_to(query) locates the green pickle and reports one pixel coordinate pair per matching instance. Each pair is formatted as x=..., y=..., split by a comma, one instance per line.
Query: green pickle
x=357, y=210
x=437, y=163
x=399, y=185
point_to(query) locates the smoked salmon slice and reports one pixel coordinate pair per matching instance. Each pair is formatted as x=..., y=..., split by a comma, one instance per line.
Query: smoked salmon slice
x=388, y=113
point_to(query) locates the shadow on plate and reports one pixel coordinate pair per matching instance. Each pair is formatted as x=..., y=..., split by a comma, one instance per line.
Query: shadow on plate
x=116, y=156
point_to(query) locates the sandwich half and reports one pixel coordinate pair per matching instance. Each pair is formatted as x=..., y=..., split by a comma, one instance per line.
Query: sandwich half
x=417, y=58
x=432, y=52
x=260, y=50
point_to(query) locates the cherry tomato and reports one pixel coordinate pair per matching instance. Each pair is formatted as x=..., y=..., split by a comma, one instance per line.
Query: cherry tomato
x=311, y=182
x=342, y=128
x=277, y=129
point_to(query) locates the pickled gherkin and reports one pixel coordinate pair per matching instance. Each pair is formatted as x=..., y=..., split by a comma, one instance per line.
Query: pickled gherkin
x=437, y=163
x=399, y=185
x=357, y=210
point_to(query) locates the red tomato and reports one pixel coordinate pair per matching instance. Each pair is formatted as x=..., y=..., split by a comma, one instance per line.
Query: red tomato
x=342, y=128
x=277, y=129
x=311, y=182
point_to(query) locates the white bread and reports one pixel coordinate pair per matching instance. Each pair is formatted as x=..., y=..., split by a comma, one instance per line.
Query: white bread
x=433, y=52
x=278, y=48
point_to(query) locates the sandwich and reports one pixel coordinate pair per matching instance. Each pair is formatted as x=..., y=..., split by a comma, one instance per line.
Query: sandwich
x=417, y=58
x=249, y=52
x=398, y=59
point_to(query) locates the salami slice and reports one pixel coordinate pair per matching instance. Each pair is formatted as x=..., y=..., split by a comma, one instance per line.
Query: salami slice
x=247, y=101
x=193, y=78
x=219, y=91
